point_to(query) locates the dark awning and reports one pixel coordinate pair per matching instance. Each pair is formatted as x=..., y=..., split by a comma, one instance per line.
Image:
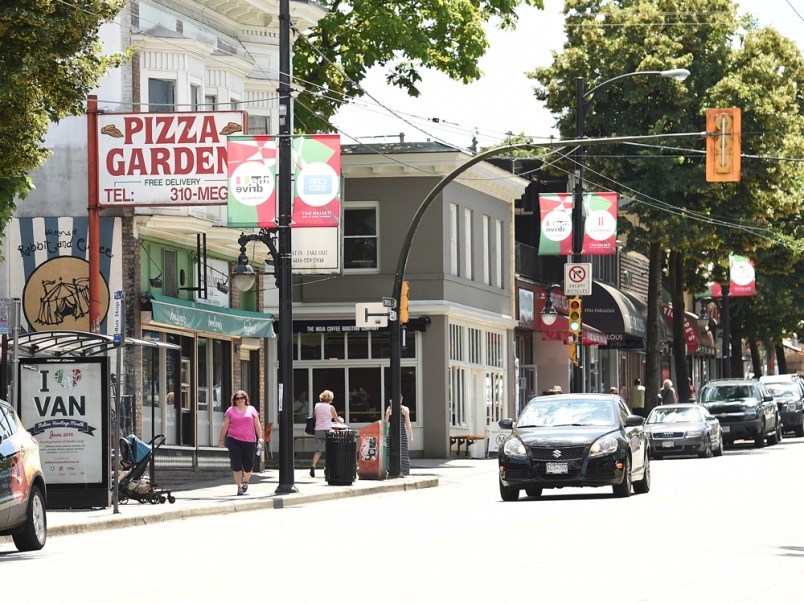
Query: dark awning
x=621, y=316
x=212, y=319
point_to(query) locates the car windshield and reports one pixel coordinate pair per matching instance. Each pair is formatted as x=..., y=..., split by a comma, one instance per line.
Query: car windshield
x=674, y=415
x=726, y=393
x=554, y=413
x=783, y=390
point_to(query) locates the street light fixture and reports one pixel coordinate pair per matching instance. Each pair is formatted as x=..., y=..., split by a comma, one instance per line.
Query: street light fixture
x=549, y=314
x=582, y=99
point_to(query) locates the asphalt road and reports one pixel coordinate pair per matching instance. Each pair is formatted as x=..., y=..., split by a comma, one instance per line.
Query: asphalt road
x=721, y=529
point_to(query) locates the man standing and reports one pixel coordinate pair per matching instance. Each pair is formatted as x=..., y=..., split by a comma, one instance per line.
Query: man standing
x=637, y=398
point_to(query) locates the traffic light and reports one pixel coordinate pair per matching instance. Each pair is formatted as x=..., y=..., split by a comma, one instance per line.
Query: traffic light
x=575, y=315
x=723, y=128
x=403, y=303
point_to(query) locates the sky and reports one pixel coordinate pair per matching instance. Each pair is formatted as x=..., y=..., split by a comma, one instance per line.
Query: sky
x=502, y=100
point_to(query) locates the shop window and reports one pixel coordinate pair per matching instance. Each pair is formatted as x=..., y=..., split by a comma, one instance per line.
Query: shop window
x=310, y=346
x=407, y=387
x=365, y=395
x=302, y=403
x=358, y=345
x=335, y=346
x=457, y=396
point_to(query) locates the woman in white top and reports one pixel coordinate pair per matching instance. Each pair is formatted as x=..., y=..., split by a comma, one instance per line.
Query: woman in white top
x=325, y=414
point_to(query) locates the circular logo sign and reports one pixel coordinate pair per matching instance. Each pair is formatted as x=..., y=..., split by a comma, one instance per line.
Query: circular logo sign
x=742, y=273
x=251, y=183
x=600, y=225
x=557, y=225
x=56, y=296
x=317, y=184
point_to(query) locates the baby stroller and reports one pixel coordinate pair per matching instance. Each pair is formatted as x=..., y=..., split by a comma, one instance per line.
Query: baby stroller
x=135, y=483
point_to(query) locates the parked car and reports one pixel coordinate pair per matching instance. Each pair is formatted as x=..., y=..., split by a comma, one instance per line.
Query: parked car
x=788, y=390
x=675, y=429
x=745, y=408
x=574, y=440
x=23, y=494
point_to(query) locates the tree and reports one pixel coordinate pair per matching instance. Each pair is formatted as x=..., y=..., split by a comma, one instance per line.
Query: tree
x=406, y=36
x=673, y=207
x=50, y=59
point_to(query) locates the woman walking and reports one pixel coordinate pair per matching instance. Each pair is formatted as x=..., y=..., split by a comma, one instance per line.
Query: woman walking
x=325, y=415
x=406, y=434
x=240, y=432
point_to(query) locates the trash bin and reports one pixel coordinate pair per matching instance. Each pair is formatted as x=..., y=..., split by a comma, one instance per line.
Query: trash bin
x=341, y=457
x=371, y=459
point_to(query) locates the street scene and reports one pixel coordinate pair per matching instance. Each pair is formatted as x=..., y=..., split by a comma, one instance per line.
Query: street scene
x=292, y=305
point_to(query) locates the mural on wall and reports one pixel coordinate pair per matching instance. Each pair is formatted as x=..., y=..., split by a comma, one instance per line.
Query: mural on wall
x=49, y=262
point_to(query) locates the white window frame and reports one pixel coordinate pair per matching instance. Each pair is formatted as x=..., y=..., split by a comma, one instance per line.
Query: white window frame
x=486, y=255
x=375, y=205
x=453, y=240
x=498, y=254
x=467, y=243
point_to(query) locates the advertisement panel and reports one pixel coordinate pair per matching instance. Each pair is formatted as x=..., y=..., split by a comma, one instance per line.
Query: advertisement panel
x=317, y=166
x=555, y=211
x=600, y=224
x=742, y=275
x=164, y=159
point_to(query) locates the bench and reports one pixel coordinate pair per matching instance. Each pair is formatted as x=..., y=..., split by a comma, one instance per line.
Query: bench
x=465, y=439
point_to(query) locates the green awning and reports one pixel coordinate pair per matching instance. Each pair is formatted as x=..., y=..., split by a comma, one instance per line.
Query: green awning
x=212, y=319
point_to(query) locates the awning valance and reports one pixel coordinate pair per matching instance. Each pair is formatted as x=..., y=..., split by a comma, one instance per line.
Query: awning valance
x=212, y=319
x=622, y=317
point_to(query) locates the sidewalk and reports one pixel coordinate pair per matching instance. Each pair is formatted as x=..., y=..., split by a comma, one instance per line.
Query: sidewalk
x=219, y=497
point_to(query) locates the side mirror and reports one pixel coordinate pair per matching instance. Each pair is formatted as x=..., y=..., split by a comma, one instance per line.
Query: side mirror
x=506, y=423
x=768, y=398
x=634, y=421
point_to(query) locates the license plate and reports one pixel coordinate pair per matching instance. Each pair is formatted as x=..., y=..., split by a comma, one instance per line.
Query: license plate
x=556, y=468
x=668, y=444
x=724, y=428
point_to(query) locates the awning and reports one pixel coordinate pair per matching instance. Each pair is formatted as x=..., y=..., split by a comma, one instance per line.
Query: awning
x=77, y=343
x=559, y=331
x=691, y=335
x=621, y=316
x=212, y=319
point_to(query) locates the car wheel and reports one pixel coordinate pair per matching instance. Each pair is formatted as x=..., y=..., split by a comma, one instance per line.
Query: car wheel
x=34, y=532
x=775, y=437
x=719, y=451
x=508, y=494
x=533, y=491
x=643, y=486
x=623, y=489
x=707, y=451
x=759, y=439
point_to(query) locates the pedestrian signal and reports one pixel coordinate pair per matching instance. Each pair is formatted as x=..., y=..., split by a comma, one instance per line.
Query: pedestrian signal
x=575, y=314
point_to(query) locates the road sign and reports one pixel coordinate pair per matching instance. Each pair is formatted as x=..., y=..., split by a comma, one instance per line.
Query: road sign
x=577, y=278
x=372, y=314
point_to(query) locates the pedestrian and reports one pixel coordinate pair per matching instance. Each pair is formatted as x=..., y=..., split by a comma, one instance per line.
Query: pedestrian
x=636, y=398
x=406, y=436
x=325, y=415
x=555, y=390
x=614, y=390
x=667, y=395
x=240, y=432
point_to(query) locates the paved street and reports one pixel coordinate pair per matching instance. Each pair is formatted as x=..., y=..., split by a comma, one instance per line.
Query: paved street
x=723, y=529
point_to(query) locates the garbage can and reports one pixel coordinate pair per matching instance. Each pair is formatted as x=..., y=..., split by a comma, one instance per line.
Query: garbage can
x=341, y=457
x=371, y=460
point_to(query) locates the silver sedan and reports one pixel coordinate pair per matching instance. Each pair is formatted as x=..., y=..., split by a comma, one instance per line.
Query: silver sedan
x=683, y=429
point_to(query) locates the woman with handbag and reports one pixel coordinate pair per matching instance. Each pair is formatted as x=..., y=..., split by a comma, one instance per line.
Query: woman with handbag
x=325, y=415
x=241, y=429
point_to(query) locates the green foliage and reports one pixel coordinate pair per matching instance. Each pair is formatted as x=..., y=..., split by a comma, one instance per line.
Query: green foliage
x=50, y=59
x=404, y=36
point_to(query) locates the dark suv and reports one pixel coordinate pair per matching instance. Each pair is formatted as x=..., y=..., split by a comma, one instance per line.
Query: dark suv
x=789, y=393
x=745, y=408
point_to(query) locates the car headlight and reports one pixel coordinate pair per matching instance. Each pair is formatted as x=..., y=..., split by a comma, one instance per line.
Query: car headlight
x=604, y=445
x=514, y=447
x=752, y=414
x=790, y=407
x=694, y=434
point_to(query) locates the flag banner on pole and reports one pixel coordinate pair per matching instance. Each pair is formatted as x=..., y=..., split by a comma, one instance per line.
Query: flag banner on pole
x=743, y=277
x=600, y=224
x=317, y=167
x=251, y=170
x=712, y=290
x=555, y=211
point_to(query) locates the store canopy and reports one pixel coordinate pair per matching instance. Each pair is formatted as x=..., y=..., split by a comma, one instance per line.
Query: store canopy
x=212, y=319
x=559, y=331
x=621, y=316
x=75, y=343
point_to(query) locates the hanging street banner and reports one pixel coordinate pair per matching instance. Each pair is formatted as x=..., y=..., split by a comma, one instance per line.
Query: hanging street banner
x=556, y=224
x=164, y=159
x=600, y=223
x=252, y=169
x=743, y=277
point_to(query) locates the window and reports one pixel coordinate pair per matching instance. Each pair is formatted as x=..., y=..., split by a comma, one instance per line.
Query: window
x=161, y=95
x=475, y=346
x=195, y=97
x=456, y=342
x=487, y=259
x=210, y=102
x=457, y=396
x=494, y=397
x=453, y=239
x=498, y=254
x=259, y=124
x=467, y=243
x=360, y=238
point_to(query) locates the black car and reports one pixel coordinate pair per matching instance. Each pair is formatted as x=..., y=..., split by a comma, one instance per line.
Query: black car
x=675, y=429
x=745, y=408
x=788, y=390
x=572, y=440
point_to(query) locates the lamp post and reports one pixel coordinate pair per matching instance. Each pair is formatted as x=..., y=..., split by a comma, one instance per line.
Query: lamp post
x=725, y=328
x=549, y=314
x=582, y=99
x=278, y=241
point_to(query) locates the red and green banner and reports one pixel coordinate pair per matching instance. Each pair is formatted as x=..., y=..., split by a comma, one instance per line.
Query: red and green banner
x=251, y=170
x=555, y=211
x=600, y=224
x=742, y=276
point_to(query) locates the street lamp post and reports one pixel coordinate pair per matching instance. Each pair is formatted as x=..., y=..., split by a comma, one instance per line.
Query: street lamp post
x=582, y=98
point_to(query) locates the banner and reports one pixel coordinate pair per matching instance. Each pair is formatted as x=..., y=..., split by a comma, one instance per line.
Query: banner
x=555, y=211
x=252, y=170
x=743, y=277
x=600, y=225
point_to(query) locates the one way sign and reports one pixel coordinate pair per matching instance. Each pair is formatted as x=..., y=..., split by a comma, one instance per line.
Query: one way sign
x=577, y=279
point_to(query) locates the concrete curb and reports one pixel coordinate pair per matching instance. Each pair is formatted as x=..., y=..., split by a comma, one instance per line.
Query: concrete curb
x=150, y=515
